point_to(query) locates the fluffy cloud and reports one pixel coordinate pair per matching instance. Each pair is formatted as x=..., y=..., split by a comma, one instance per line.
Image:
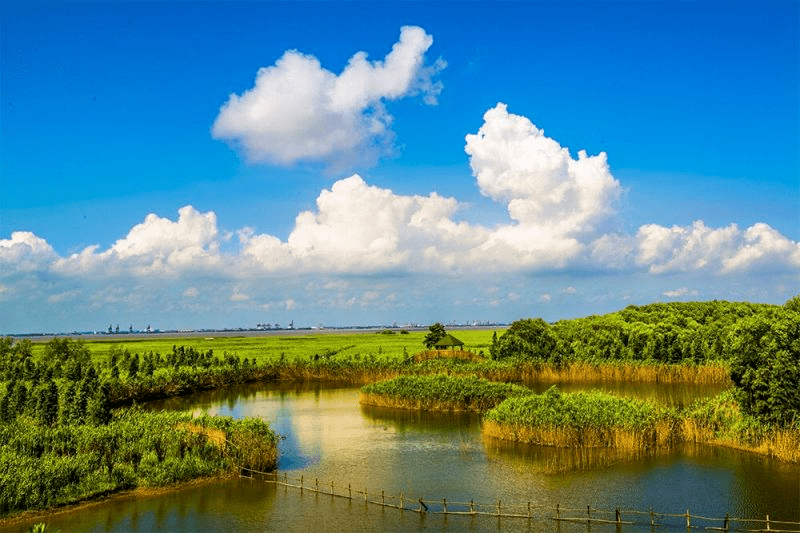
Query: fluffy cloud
x=557, y=209
x=555, y=201
x=156, y=246
x=724, y=250
x=24, y=252
x=362, y=228
x=298, y=110
x=677, y=293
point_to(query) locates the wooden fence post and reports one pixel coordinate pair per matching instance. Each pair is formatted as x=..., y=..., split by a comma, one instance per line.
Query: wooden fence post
x=616, y=514
x=589, y=513
x=558, y=512
x=444, y=505
x=332, y=491
x=383, y=498
x=688, y=520
x=498, y=507
x=529, y=510
x=316, y=485
x=725, y=523
x=652, y=518
x=767, y=522
x=301, y=483
x=349, y=491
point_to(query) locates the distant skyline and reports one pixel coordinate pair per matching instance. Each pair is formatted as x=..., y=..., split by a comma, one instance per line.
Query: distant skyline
x=194, y=165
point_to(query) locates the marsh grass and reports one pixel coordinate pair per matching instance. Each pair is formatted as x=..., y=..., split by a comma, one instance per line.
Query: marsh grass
x=594, y=419
x=439, y=392
x=583, y=419
x=720, y=421
x=44, y=467
x=631, y=372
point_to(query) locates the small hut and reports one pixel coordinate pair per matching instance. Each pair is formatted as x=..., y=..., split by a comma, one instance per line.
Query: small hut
x=449, y=342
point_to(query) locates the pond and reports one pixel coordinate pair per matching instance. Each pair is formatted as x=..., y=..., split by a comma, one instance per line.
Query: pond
x=330, y=437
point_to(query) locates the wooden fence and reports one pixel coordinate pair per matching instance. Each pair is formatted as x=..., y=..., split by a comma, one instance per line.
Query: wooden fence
x=527, y=510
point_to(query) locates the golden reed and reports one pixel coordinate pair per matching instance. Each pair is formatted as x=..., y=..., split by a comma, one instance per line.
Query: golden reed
x=783, y=445
x=396, y=402
x=628, y=440
x=630, y=372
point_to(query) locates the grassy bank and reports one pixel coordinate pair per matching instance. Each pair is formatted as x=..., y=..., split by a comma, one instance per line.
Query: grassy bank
x=44, y=467
x=438, y=393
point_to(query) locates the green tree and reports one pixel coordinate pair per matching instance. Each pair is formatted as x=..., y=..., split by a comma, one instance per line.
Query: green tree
x=435, y=333
x=765, y=366
x=98, y=409
x=530, y=339
x=5, y=410
x=133, y=367
x=19, y=402
x=47, y=403
x=793, y=304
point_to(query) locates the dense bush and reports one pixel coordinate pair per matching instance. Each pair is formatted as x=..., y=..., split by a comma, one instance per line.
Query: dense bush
x=765, y=367
x=527, y=340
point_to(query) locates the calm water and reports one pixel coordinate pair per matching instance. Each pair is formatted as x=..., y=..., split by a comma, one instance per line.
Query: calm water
x=331, y=437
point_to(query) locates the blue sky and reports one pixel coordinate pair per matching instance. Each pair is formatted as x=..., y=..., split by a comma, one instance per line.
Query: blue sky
x=222, y=164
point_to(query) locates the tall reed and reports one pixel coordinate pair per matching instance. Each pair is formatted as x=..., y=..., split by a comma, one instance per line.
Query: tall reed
x=439, y=392
x=589, y=419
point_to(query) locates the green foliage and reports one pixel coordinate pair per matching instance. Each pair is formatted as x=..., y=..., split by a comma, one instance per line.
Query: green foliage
x=47, y=403
x=580, y=410
x=527, y=340
x=42, y=466
x=465, y=392
x=793, y=304
x=98, y=408
x=765, y=367
x=435, y=334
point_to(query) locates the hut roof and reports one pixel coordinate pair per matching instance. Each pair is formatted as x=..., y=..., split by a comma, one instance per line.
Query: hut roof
x=448, y=340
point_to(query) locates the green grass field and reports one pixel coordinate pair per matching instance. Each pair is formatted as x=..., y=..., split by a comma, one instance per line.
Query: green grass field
x=296, y=346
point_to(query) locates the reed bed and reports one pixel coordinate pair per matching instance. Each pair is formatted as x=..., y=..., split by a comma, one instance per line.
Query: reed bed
x=719, y=421
x=585, y=419
x=631, y=372
x=439, y=393
x=595, y=419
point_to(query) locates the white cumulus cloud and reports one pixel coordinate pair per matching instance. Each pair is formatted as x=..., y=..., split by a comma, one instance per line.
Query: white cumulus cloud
x=554, y=200
x=724, y=250
x=24, y=252
x=298, y=110
x=362, y=228
x=156, y=246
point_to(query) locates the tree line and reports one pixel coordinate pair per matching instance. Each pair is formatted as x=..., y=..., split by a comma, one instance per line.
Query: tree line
x=759, y=342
